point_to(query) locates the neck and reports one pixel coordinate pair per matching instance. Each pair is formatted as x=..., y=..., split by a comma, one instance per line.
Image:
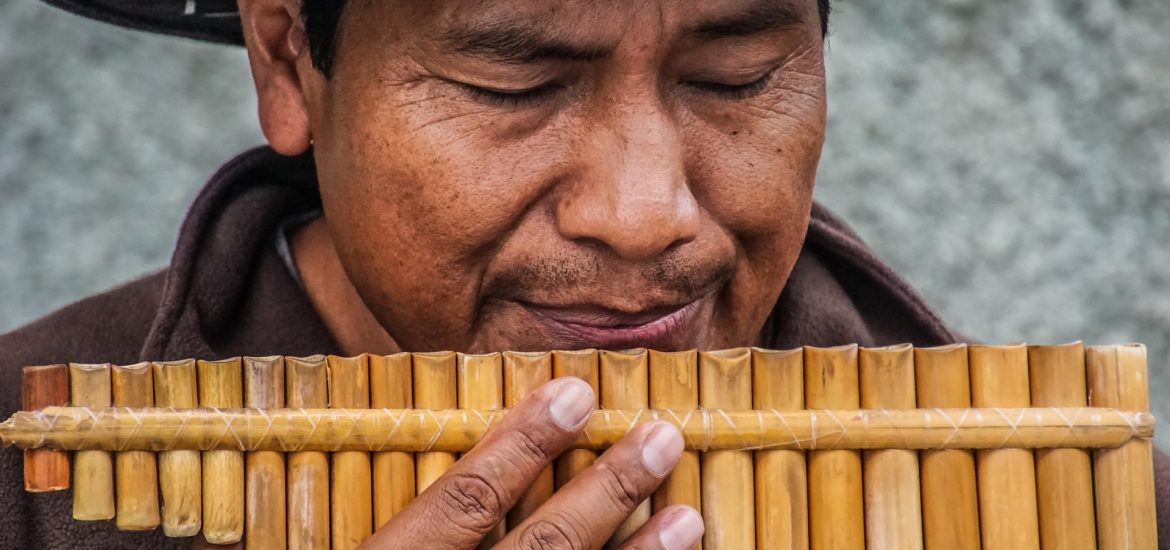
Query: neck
x=351, y=324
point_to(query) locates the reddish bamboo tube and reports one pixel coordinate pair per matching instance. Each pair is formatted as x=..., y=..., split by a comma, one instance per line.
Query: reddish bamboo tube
x=523, y=373
x=836, y=517
x=893, y=517
x=674, y=385
x=352, y=495
x=93, y=471
x=625, y=385
x=1124, y=477
x=306, y=386
x=480, y=381
x=1007, y=477
x=179, y=472
x=434, y=388
x=950, y=507
x=265, y=524
x=728, y=496
x=221, y=385
x=136, y=472
x=583, y=365
x=781, y=476
x=46, y=386
x=393, y=473
x=1064, y=477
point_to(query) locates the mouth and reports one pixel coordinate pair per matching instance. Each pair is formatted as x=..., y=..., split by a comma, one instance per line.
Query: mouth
x=592, y=326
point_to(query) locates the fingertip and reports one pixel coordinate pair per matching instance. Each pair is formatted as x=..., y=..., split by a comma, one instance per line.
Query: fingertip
x=662, y=448
x=572, y=402
x=682, y=528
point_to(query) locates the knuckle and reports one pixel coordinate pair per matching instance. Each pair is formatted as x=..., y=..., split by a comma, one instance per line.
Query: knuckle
x=551, y=534
x=527, y=447
x=620, y=486
x=471, y=502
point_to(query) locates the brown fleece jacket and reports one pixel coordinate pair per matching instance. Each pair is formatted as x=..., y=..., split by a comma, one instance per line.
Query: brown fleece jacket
x=227, y=293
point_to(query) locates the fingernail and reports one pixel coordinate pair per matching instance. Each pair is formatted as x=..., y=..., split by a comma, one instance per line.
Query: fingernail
x=661, y=449
x=683, y=531
x=572, y=403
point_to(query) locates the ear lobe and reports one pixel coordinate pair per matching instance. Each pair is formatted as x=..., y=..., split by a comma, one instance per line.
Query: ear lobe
x=275, y=40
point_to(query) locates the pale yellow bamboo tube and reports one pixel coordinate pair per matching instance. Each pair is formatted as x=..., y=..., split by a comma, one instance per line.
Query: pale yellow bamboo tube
x=480, y=381
x=136, y=472
x=1064, y=477
x=583, y=365
x=674, y=385
x=1006, y=477
x=179, y=472
x=950, y=506
x=781, y=476
x=836, y=517
x=524, y=372
x=221, y=385
x=415, y=430
x=93, y=471
x=434, y=388
x=728, y=498
x=1124, y=477
x=307, y=386
x=265, y=524
x=352, y=492
x=393, y=472
x=893, y=511
x=625, y=384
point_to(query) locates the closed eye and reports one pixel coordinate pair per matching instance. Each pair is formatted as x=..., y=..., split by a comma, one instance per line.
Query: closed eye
x=510, y=98
x=733, y=91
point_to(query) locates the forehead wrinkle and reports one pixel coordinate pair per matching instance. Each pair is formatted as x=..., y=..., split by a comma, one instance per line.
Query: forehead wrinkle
x=520, y=41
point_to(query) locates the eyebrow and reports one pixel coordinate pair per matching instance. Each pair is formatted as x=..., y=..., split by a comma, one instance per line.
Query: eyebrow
x=758, y=17
x=515, y=43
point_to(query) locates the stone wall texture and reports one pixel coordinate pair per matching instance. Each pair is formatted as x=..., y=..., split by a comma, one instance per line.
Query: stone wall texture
x=1011, y=159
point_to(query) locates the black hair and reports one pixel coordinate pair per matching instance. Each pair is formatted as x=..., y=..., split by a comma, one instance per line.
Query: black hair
x=321, y=18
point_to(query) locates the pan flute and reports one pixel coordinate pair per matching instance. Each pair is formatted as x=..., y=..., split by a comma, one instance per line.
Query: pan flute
x=949, y=447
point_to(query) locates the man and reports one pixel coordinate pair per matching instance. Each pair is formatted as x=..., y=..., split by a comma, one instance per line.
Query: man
x=480, y=176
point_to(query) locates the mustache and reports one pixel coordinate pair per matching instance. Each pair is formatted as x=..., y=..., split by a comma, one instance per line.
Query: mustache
x=670, y=277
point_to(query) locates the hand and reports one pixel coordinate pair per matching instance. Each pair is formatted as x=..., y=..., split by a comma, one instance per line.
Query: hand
x=463, y=505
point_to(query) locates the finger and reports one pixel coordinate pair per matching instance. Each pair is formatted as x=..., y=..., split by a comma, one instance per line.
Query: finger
x=460, y=507
x=678, y=527
x=589, y=509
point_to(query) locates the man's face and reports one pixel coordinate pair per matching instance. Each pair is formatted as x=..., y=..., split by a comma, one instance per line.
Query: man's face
x=532, y=175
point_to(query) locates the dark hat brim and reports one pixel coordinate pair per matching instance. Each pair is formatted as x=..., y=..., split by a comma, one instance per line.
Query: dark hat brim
x=208, y=20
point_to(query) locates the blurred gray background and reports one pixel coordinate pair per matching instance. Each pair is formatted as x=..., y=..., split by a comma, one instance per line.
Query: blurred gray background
x=1012, y=160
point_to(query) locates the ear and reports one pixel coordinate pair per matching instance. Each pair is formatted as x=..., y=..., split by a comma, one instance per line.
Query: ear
x=275, y=37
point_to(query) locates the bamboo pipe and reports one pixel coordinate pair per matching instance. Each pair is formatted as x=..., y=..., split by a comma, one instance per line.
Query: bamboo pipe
x=93, y=471
x=136, y=472
x=393, y=472
x=728, y=497
x=47, y=386
x=781, y=476
x=221, y=385
x=352, y=495
x=1006, y=477
x=307, y=386
x=481, y=387
x=1123, y=477
x=1064, y=477
x=625, y=385
x=950, y=506
x=434, y=388
x=835, y=515
x=265, y=523
x=674, y=384
x=179, y=472
x=583, y=365
x=523, y=373
x=893, y=517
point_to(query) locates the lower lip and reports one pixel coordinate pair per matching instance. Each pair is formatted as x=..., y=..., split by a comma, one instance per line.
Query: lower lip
x=666, y=332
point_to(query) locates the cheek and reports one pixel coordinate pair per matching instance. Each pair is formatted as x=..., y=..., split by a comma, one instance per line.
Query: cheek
x=418, y=198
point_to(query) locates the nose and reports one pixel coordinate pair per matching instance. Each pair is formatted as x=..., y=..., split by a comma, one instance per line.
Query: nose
x=632, y=194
